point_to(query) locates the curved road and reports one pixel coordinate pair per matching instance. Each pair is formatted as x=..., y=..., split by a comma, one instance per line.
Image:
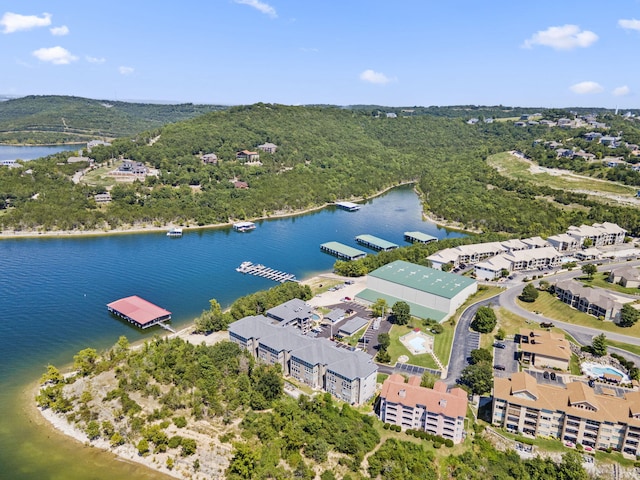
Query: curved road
x=465, y=340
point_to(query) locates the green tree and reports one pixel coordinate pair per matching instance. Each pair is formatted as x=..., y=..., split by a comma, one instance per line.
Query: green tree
x=93, y=430
x=52, y=376
x=384, y=340
x=85, y=361
x=401, y=313
x=428, y=380
x=244, y=462
x=589, y=270
x=481, y=355
x=628, y=316
x=379, y=308
x=599, y=345
x=383, y=356
x=478, y=377
x=529, y=293
x=143, y=447
x=485, y=320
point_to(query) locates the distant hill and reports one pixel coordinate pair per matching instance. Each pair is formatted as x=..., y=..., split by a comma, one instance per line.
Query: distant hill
x=62, y=119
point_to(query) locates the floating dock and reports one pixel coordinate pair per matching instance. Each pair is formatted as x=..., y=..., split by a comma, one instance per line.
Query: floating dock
x=265, y=272
x=342, y=251
x=175, y=232
x=419, y=237
x=139, y=312
x=349, y=206
x=244, y=226
x=375, y=243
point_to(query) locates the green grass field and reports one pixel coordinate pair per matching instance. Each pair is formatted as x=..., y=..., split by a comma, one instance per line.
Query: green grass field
x=396, y=349
x=600, y=280
x=549, y=306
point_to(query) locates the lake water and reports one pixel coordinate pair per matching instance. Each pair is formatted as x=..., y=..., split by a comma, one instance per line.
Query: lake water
x=10, y=152
x=53, y=294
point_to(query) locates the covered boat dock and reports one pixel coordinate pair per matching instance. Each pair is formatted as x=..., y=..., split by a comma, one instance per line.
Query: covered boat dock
x=342, y=251
x=139, y=312
x=419, y=237
x=375, y=243
x=349, y=206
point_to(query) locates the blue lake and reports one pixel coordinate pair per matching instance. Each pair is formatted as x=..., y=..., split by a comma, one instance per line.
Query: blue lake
x=10, y=152
x=53, y=294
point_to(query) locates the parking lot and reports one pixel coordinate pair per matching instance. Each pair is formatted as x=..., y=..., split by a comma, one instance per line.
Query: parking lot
x=506, y=357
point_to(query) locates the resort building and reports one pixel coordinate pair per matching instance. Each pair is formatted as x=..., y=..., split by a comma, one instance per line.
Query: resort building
x=349, y=375
x=594, y=301
x=599, y=234
x=434, y=410
x=628, y=277
x=597, y=418
x=522, y=259
x=430, y=293
x=295, y=312
x=544, y=349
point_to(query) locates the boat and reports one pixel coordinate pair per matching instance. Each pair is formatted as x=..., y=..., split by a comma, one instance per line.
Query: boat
x=244, y=226
x=244, y=266
x=174, y=232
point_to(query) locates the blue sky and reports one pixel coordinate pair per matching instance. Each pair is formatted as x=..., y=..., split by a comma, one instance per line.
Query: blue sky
x=544, y=53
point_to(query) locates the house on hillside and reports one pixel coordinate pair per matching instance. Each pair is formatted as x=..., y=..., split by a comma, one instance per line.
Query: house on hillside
x=209, y=159
x=247, y=156
x=268, y=147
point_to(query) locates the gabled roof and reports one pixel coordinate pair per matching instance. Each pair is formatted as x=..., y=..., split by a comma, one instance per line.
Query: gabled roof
x=522, y=382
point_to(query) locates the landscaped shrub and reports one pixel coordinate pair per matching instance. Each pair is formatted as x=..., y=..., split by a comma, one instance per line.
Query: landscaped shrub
x=448, y=442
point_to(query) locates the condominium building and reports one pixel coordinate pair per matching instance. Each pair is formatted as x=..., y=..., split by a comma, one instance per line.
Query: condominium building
x=320, y=364
x=594, y=301
x=544, y=349
x=599, y=234
x=595, y=417
x=529, y=259
x=434, y=410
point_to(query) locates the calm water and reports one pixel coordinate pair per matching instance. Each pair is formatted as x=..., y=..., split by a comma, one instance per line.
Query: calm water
x=8, y=152
x=53, y=294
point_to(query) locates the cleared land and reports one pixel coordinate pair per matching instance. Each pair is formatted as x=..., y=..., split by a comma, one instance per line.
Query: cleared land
x=526, y=170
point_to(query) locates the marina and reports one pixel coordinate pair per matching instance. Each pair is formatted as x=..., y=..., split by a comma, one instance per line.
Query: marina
x=244, y=226
x=139, y=312
x=348, y=206
x=375, y=243
x=419, y=237
x=342, y=251
x=260, y=270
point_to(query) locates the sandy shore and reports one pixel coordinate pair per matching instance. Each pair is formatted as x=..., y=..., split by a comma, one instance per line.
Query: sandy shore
x=142, y=228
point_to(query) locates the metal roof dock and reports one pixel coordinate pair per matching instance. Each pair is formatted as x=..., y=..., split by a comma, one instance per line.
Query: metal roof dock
x=375, y=243
x=351, y=207
x=138, y=311
x=419, y=237
x=342, y=251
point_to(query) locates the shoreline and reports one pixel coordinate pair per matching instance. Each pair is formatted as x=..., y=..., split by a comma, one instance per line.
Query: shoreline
x=12, y=234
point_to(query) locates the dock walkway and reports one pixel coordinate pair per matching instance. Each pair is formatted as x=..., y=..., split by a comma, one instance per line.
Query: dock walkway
x=261, y=271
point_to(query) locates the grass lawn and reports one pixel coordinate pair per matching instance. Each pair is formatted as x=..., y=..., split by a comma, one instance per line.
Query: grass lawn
x=574, y=365
x=625, y=346
x=397, y=348
x=321, y=285
x=600, y=280
x=99, y=177
x=549, y=306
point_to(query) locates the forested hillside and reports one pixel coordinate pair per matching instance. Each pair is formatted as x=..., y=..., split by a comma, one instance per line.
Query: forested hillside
x=61, y=119
x=324, y=154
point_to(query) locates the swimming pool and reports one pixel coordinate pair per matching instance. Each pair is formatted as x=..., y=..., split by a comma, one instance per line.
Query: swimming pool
x=418, y=344
x=597, y=371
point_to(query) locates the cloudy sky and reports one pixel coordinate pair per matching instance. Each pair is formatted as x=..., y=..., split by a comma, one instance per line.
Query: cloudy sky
x=557, y=53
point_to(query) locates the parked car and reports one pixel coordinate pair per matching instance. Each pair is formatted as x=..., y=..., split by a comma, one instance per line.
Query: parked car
x=347, y=299
x=499, y=367
x=499, y=345
x=546, y=375
x=553, y=376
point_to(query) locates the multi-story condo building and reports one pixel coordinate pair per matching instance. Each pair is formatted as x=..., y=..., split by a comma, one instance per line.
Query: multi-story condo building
x=594, y=301
x=599, y=234
x=348, y=375
x=434, y=410
x=595, y=417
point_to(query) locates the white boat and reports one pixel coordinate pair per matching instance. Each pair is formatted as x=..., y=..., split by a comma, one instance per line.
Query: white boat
x=244, y=226
x=174, y=232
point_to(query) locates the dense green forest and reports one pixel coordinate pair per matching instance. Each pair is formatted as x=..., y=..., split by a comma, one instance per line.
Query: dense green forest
x=61, y=119
x=182, y=404
x=324, y=154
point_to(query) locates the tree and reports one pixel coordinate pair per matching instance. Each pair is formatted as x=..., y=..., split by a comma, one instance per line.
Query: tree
x=244, y=462
x=599, y=345
x=529, y=293
x=479, y=377
x=379, y=308
x=485, y=320
x=85, y=361
x=628, y=316
x=383, y=356
x=384, y=340
x=480, y=355
x=52, y=376
x=143, y=447
x=589, y=270
x=587, y=243
x=428, y=379
x=501, y=335
x=401, y=313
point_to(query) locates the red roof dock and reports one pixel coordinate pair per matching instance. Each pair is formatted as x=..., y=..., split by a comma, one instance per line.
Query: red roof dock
x=138, y=311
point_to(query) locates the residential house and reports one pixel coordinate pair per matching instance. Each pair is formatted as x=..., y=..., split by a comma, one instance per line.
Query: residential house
x=209, y=159
x=268, y=147
x=590, y=136
x=614, y=162
x=544, y=349
x=436, y=410
x=472, y=121
x=102, y=197
x=564, y=153
x=131, y=167
x=95, y=143
x=597, y=418
x=241, y=185
x=247, y=156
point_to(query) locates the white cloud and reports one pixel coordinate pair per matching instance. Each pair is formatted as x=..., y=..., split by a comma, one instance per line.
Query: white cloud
x=585, y=88
x=55, y=55
x=59, y=31
x=632, y=24
x=260, y=6
x=91, y=59
x=125, y=70
x=566, y=37
x=374, y=77
x=621, y=91
x=14, y=22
